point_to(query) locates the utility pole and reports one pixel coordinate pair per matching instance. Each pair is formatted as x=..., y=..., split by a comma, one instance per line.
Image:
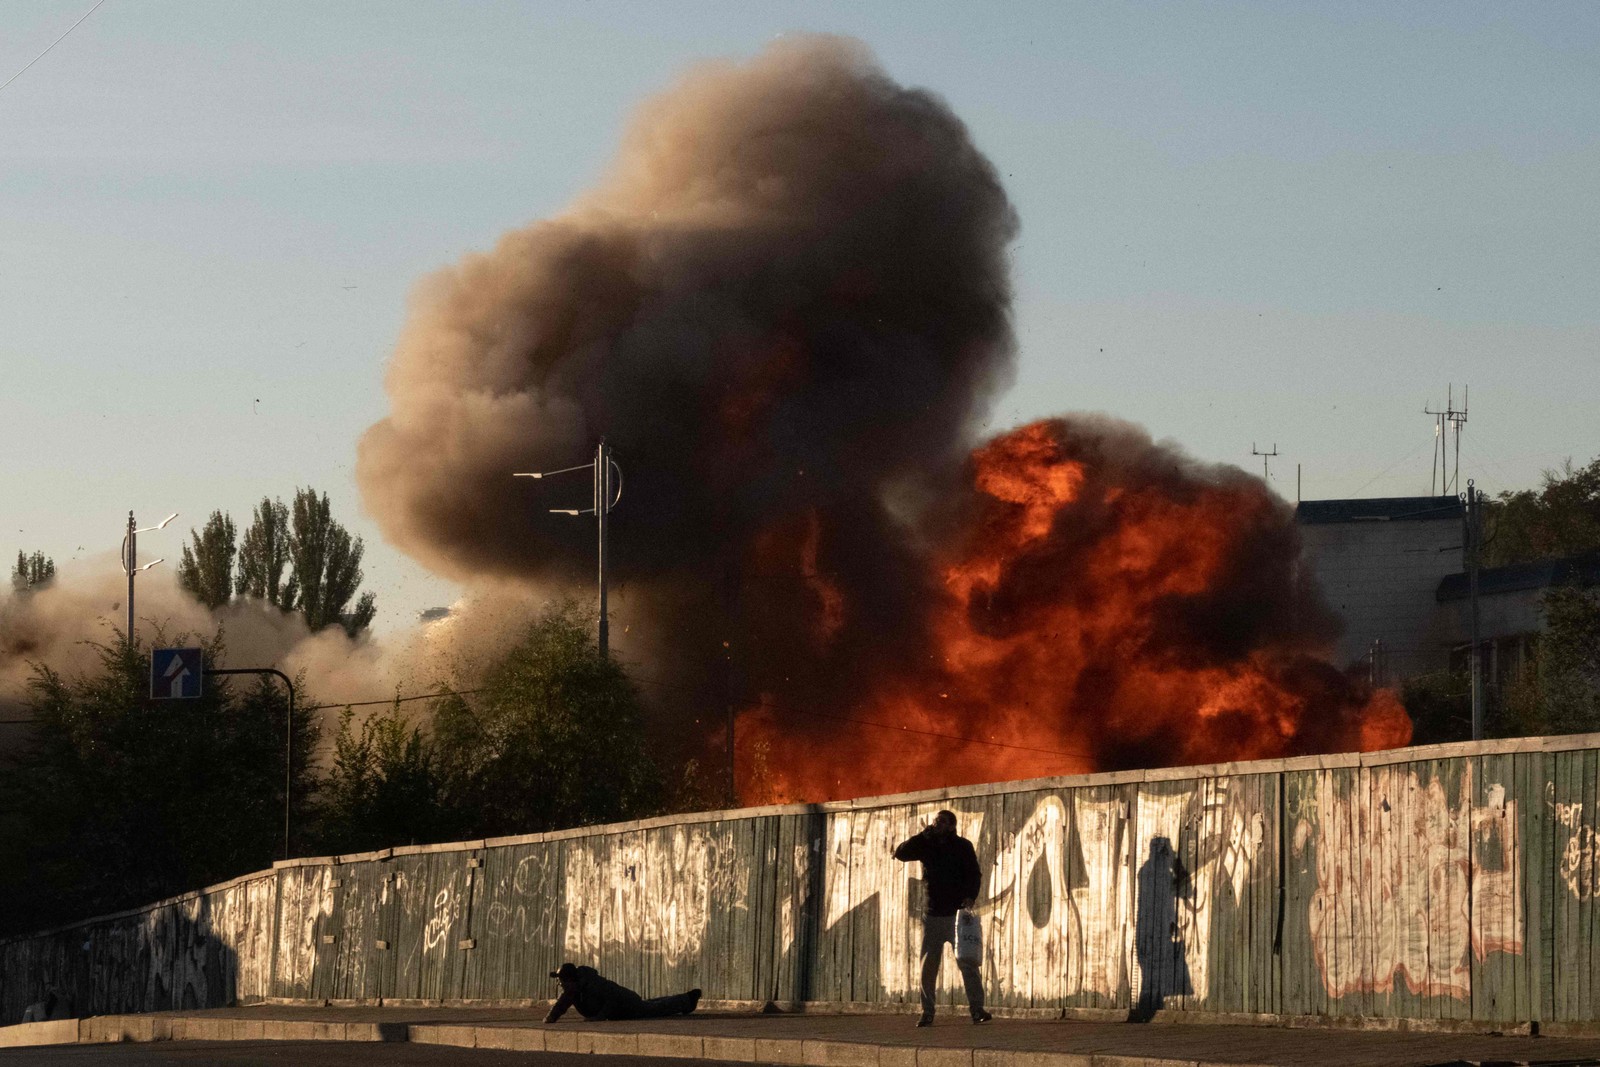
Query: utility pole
x=1265, y=457
x=1474, y=541
x=607, y=494
x=602, y=506
x=130, y=560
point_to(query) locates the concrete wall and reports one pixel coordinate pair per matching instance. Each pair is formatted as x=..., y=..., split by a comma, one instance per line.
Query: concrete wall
x=1381, y=578
x=1453, y=882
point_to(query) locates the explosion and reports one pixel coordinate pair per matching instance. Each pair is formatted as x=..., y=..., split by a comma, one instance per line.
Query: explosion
x=787, y=308
x=1103, y=604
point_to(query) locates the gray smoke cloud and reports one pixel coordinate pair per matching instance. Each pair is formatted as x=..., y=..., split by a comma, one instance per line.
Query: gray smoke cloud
x=790, y=293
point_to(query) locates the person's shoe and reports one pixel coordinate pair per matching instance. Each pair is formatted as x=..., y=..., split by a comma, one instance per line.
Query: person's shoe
x=694, y=1001
x=981, y=1016
x=926, y=1020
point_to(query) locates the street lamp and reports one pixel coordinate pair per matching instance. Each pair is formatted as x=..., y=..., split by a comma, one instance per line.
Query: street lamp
x=130, y=559
x=607, y=475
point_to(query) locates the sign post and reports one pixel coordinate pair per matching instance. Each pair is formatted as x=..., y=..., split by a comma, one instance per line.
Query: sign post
x=179, y=674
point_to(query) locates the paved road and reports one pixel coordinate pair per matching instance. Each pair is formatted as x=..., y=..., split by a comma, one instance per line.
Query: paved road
x=304, y=1054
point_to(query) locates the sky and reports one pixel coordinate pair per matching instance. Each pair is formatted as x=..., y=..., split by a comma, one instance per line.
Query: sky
x=1243, y=225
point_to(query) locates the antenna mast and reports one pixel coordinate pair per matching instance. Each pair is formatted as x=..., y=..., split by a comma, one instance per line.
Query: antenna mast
x=1265, y=457
x=1450, y=416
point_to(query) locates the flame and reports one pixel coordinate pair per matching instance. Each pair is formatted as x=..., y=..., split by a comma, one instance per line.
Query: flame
x=1101, y=610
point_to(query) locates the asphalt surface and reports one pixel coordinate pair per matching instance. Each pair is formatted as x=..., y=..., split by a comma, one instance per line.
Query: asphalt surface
x=468, y=1035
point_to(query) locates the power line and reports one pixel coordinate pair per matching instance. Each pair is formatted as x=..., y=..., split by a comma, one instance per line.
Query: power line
x=741, y=701
x=435, y=695
x=53, y=43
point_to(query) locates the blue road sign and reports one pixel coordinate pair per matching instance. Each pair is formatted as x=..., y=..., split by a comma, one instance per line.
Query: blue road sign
x=175, y=673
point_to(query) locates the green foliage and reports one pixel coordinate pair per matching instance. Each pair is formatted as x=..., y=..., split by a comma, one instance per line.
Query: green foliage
x=120, y=799
x=32, y=571
x=383, y=789
x=322, y=559
x=265, y=553
x=1440, y=706
x=1561, y=519
x=555, y=739
x=327, y=567
x=1561, y=694
x=206, y=569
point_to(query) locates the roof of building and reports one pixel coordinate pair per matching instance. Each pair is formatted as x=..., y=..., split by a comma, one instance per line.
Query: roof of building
x=1516, y=577
x=1378, y=509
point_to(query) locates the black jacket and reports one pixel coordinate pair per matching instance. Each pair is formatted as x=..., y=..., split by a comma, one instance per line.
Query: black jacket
x=594, y=997
x=949, y=867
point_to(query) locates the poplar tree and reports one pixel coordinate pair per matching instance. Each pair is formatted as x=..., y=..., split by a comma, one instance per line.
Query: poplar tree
x=264, y=554
x=327, y=567
x=206, y=569
x=32, y=571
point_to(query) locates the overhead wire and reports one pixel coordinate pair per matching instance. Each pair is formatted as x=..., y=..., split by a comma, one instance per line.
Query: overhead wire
x=52, y=44
x=742, y=701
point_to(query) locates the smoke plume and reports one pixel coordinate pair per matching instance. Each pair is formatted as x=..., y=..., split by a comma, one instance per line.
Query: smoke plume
x=787, y=308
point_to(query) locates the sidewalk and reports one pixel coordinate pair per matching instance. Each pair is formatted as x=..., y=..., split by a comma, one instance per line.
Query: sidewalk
x=825, y=1040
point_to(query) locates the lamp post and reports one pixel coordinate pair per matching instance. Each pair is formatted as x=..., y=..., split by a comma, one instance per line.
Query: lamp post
x=604, y=467
x=288, y=737
x=130, y=559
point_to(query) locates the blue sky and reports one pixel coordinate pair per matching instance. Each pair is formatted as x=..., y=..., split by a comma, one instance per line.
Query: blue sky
x=1241, y=223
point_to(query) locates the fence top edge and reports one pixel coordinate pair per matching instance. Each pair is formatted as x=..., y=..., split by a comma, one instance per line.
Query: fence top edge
x=142, y=909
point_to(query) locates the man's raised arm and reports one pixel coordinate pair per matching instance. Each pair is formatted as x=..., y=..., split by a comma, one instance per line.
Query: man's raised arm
x=914, y=849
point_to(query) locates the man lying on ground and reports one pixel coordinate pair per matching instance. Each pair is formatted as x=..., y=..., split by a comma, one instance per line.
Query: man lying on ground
x=598, y=998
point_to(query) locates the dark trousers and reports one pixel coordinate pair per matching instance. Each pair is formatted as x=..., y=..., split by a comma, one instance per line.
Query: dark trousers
x=938, y=931
x=634, y=1006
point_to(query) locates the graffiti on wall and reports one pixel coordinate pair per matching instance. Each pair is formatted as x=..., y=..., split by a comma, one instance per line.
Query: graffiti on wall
x=1400, y=879
x=1580, y=855
x=1067, y=909
x=1395, y=877
x=651, y=891
x=522, y=907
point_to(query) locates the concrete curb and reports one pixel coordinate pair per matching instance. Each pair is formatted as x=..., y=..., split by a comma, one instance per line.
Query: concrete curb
x=792, y=1052
x=113, y=1029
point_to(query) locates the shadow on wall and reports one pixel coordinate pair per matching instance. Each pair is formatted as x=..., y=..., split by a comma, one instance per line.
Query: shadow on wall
x=164, y=958
x=1158, y=946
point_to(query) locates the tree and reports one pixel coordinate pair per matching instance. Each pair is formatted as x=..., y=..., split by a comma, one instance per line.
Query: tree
x=327, y=567
x=383, y=789
x=32, y=571
x=120, y=799
x=322, y=559
x=264, y=554
x=206, y=569
x=555, y=739
x=1560, y=519
x=1559, y=690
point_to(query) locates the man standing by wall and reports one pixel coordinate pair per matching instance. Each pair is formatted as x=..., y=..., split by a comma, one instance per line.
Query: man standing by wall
x=950, y=872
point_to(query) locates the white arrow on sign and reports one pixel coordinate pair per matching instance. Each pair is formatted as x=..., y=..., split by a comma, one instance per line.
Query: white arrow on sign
x=177, y=668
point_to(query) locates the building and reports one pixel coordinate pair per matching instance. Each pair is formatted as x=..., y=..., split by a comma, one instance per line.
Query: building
x=1394, y=569
x=1379, y=563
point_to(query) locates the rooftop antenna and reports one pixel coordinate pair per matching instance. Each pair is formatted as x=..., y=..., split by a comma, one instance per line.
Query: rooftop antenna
x=1265, y=457
x=1450, y=416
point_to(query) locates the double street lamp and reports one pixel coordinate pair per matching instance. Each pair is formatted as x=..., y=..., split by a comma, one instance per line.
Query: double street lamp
x=607, y=493
x=130, y=559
